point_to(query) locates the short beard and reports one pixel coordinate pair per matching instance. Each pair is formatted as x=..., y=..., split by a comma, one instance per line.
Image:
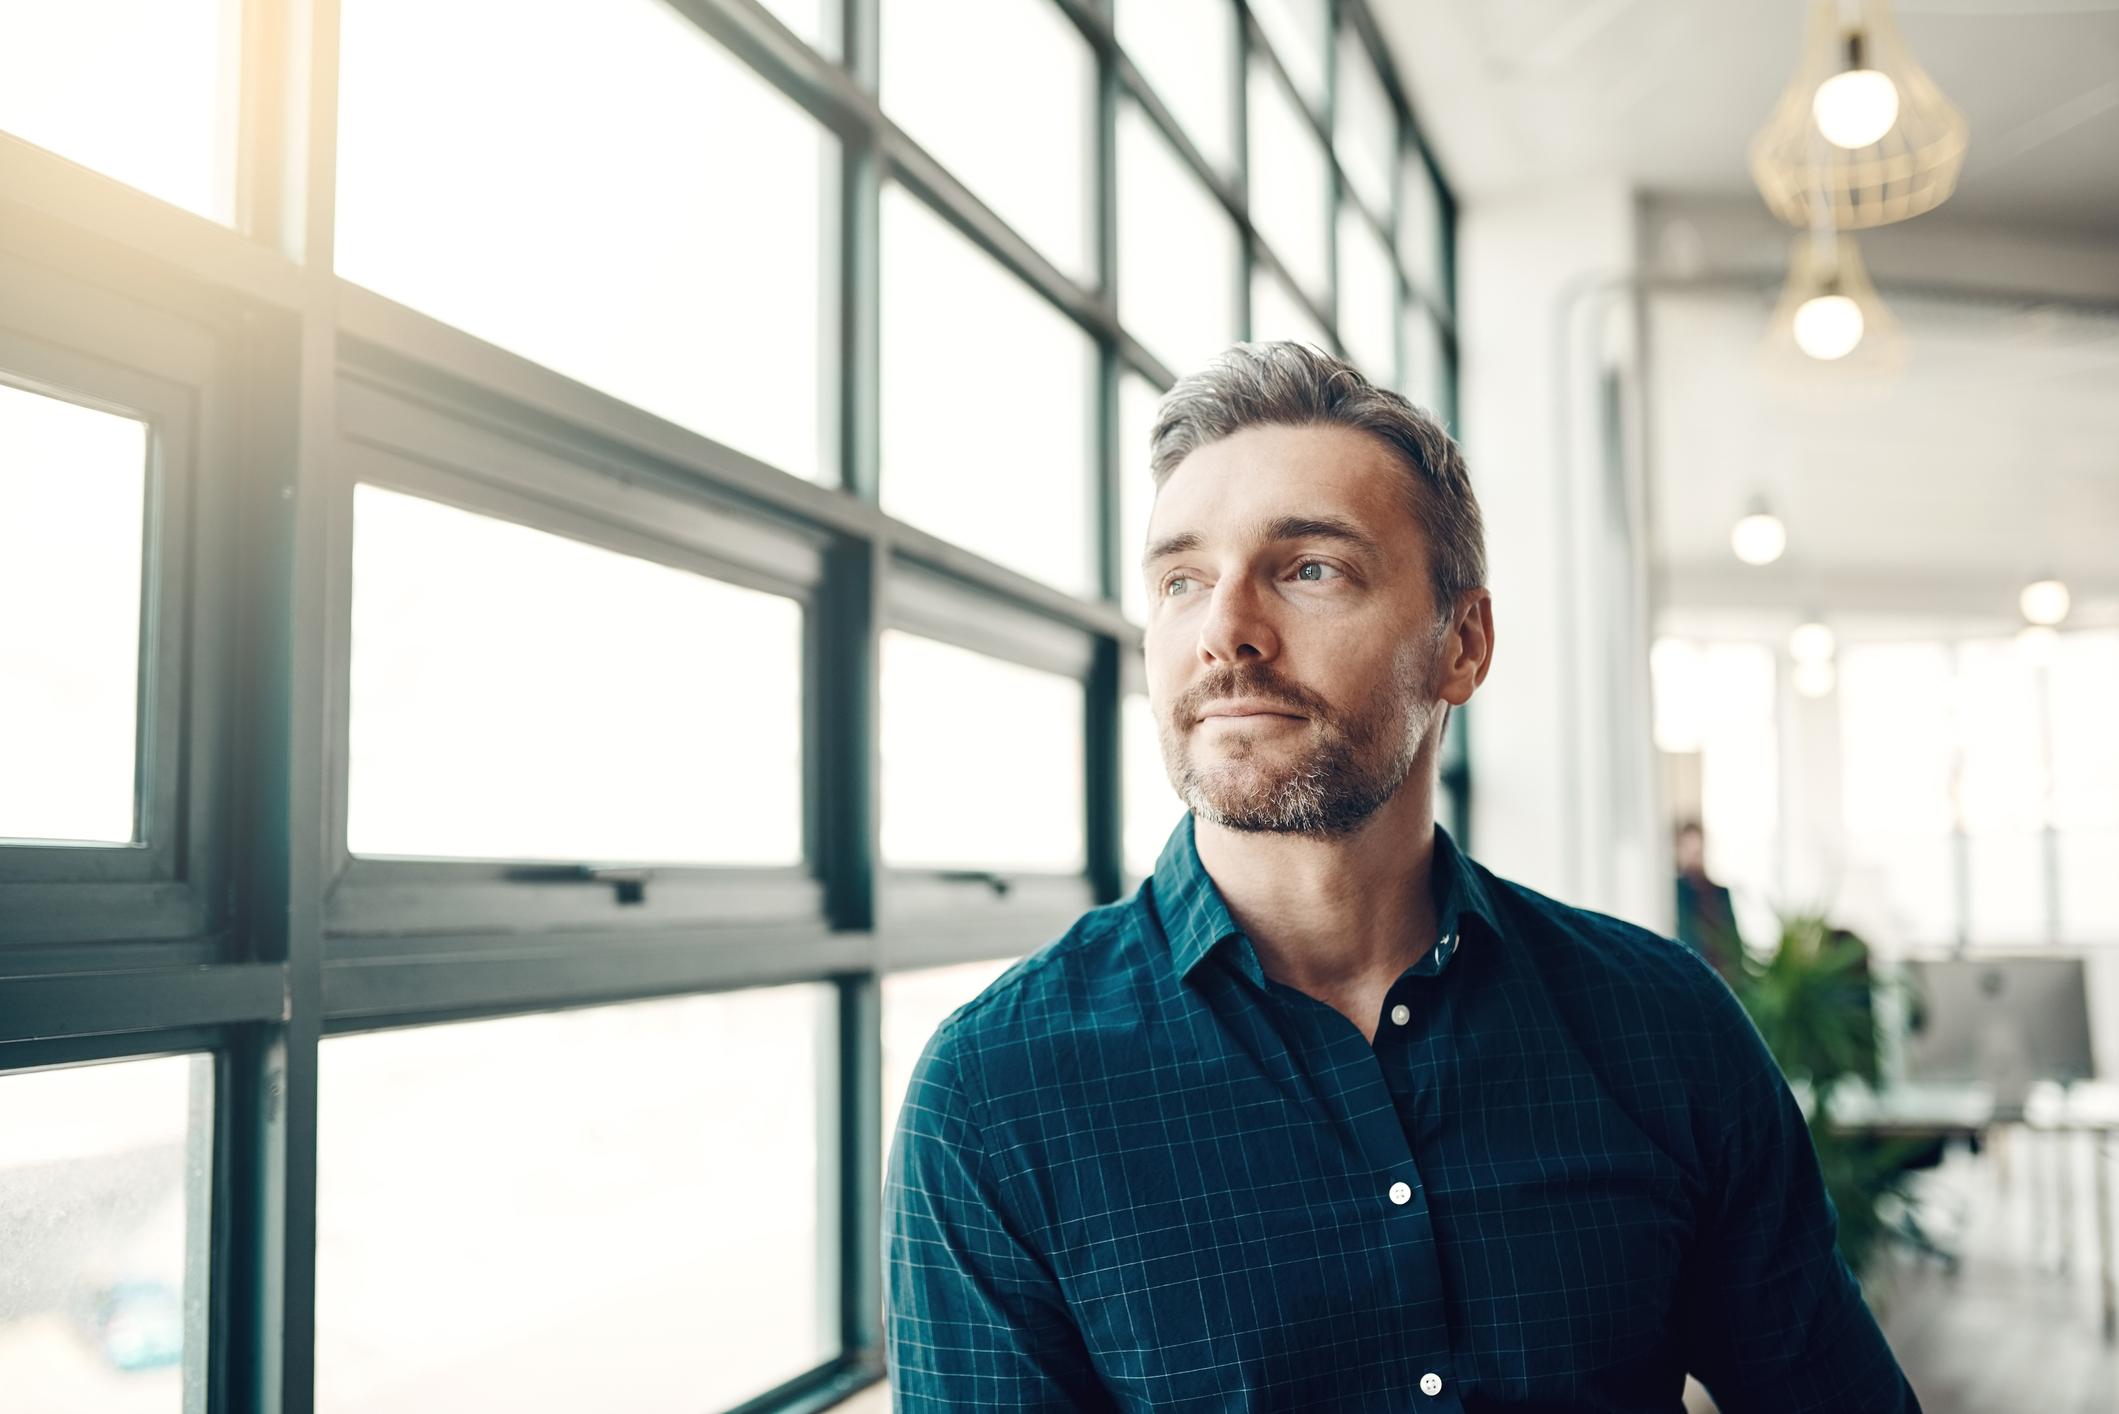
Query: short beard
x=1334, y=783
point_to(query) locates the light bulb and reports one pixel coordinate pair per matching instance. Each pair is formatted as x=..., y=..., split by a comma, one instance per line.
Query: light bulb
x=1810, y=643
x=1828, y=326
x=1759, y=538
x=1815, y=679
x=2044, y=602
x=1855, y=108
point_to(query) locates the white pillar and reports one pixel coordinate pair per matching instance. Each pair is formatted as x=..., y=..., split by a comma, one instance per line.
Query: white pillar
x=1563, y=781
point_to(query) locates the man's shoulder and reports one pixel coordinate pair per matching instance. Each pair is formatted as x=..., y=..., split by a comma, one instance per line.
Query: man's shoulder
x=1569, y=936
x=1068, y=984
x=1632, y=989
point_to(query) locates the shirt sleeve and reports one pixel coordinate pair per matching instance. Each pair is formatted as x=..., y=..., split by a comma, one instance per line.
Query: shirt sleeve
x=1774, y=1319
x=973, y=1317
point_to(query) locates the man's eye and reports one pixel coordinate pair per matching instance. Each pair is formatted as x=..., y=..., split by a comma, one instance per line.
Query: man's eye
x=1318, y=565
x=1173, y=580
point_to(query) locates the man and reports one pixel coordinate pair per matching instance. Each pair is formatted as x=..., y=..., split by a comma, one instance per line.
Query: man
x=1706, y=913
x=1327, y=1116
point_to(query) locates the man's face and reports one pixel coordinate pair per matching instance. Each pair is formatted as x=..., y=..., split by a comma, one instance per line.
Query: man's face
x=1284, y=570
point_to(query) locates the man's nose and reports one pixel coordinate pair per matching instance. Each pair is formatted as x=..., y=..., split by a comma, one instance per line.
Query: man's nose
x=1238, y=623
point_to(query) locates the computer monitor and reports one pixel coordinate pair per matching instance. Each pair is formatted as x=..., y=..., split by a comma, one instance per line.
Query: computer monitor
x=2004, y=1022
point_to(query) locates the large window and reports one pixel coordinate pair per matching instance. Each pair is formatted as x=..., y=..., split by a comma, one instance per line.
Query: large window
x=1927, y=793
x=2014, y=778
x=569, y=587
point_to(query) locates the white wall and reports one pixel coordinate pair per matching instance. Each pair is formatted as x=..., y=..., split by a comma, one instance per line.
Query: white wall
x=1563, y=781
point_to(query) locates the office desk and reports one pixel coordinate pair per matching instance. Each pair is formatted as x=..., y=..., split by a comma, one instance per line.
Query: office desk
x=1968, y=1111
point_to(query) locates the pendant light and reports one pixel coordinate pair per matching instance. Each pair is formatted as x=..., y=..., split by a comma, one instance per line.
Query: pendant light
x=2044, y=602
x=1758, y=538
x=1861, y=137
x=1829, y=313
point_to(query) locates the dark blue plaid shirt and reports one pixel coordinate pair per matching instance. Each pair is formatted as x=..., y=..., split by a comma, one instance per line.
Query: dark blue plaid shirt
x=1137, y=1173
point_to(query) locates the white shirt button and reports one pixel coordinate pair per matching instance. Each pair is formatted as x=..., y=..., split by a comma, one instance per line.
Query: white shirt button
x=1431, y=1383
x=1401, y=1013
x=1400, y=1193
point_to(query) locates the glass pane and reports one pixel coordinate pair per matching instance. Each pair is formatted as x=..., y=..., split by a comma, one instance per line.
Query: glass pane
x=2006, y=888
x=982, y=760
x=914, y=1004
x=1137, y=400
x=1152, y=807
x=1295, y=31
x=2089, y=888
x=1426, y=376
x=106, y=1175
x=141, y=90
x=1001, y=94
x=622, y=237
x=2082, y=686
x=1291, y=182
x=1900, y=889
x=1178, y=251
x=519, y=695
x=612, y=1208
x=2001, y=739
x=1186, y=50
x=1366, y=135
x=1368, y=298
x=1895, y=748
x=981, y=449
x=1420, y=233
x=1277, y=314
x=73, y=485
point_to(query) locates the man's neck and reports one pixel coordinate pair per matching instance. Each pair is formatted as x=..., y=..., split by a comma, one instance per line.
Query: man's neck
x=1333, y=916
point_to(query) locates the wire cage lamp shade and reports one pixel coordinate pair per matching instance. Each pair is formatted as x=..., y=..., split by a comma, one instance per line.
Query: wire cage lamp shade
x=1830, y=324
x=1862, y=136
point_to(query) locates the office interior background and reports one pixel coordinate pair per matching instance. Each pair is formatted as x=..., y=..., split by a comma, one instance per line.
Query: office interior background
x=567, y=592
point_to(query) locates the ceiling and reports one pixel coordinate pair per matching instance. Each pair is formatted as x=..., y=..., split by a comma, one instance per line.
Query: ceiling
x=1989, y=458
x=1991, y=455
x=1666, y=94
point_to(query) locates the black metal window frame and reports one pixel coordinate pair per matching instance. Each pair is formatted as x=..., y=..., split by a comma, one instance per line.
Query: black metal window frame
x=241, y=927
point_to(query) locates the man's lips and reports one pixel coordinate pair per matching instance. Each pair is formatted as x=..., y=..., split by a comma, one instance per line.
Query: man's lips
x=1247, y=709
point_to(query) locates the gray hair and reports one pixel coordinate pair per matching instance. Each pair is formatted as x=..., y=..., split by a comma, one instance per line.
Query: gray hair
x=1298, y=385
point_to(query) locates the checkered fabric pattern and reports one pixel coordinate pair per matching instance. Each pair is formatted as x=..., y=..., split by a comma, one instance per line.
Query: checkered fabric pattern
x=1137, y=1173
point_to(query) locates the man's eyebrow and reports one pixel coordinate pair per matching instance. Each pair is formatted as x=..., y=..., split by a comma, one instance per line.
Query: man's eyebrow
x=1280, y=528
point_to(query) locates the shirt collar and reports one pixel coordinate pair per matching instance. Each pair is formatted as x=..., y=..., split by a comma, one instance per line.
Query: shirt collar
x=1196, y=921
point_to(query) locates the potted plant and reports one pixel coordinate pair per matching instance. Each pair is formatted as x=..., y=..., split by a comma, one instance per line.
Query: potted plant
x=1813, y=1002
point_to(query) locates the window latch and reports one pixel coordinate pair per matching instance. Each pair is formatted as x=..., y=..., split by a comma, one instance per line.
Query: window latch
x=987, y=877
x=628, y=881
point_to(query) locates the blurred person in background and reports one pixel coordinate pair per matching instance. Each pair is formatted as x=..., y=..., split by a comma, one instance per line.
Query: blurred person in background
x=1326, y=1115
x=1706, y=912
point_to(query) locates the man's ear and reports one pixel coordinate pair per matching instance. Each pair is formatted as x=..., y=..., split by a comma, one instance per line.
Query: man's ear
x=1468, y=649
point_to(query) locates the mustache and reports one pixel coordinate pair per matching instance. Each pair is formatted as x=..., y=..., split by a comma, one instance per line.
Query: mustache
x=1189, y=706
